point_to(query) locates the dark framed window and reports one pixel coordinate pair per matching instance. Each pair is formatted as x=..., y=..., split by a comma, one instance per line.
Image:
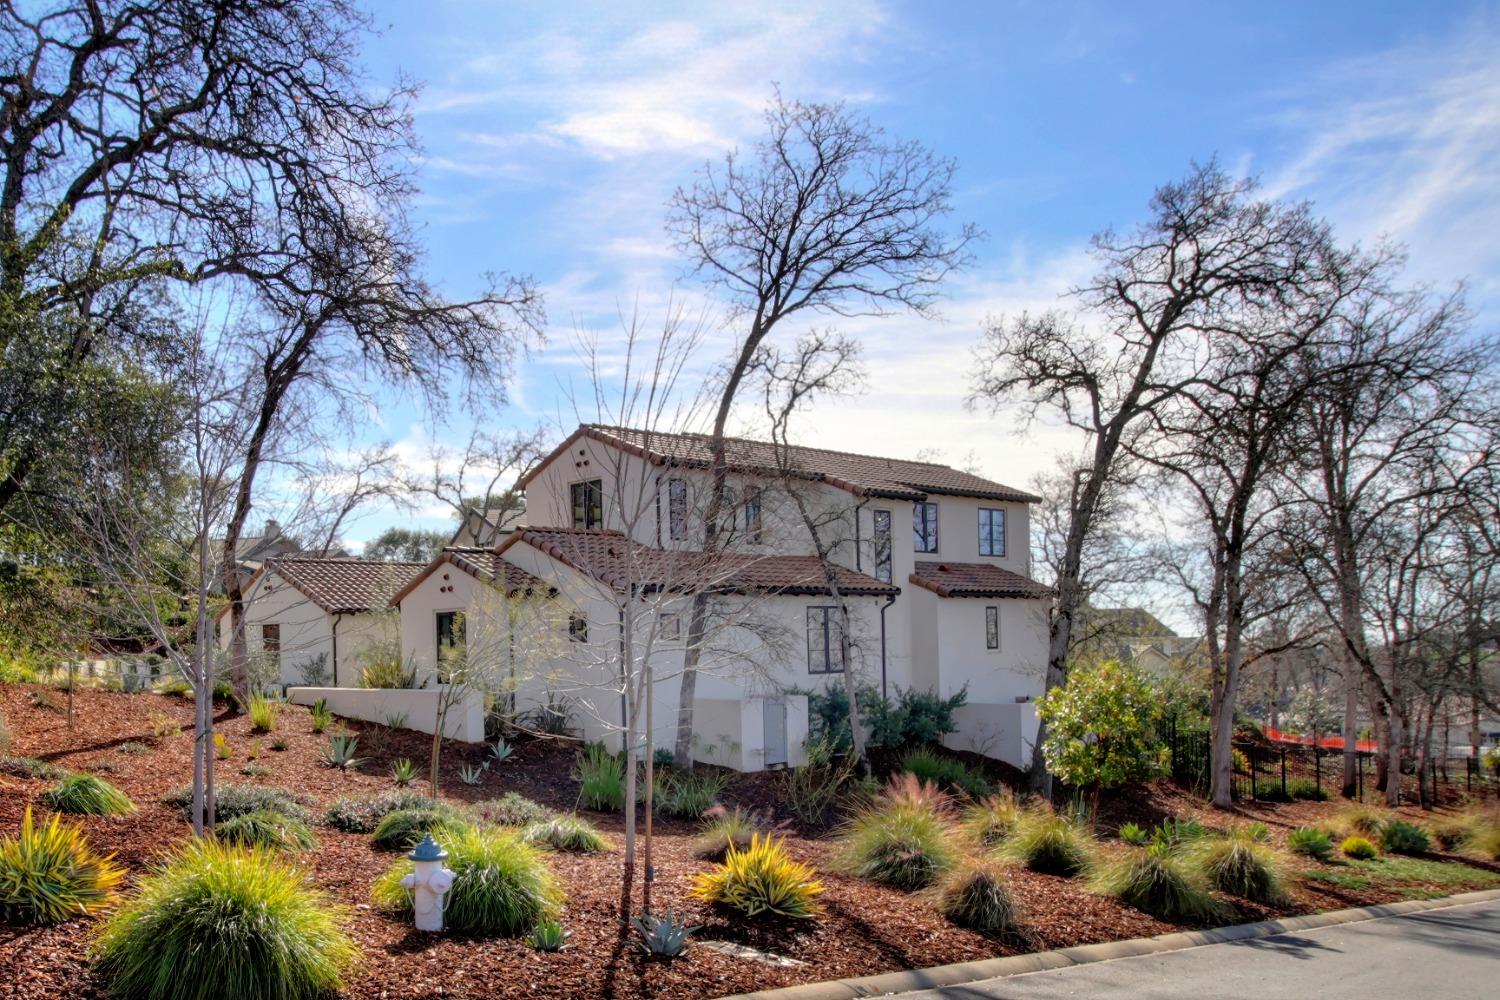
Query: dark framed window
x=578, y=628
x=677, y=504
x=991, y=627
x=924, y=525
x=882, y=542
x=588, y=504
x=752, y=517
x=671, y=626
x=991, y=532
x=729, y=517
x=825, y=654
x=450, y=637
x=270, y=638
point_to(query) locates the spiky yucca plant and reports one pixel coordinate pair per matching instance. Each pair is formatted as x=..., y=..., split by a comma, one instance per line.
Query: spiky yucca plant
x=762, y=879
x=48, y=874
x=87, y=795
x=975, y=896
x=220, y=921
x=501, y=884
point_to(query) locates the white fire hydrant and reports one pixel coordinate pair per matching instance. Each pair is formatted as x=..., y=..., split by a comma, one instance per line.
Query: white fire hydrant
x=428, y=883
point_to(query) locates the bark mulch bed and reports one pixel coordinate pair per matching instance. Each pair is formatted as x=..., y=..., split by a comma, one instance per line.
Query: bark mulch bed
x=867, y=929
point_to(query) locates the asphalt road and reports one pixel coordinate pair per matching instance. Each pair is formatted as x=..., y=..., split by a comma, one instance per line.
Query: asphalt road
x=1451, y=953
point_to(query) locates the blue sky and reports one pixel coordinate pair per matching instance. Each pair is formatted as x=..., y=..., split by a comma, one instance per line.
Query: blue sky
x=554, y=133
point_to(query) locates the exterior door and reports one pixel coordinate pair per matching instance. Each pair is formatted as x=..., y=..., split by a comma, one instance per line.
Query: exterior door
x=775, y=732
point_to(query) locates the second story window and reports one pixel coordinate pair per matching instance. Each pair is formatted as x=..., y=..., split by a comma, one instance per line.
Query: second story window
x=825, y=644
x=752, y=517
x=677, y=507
x=882, y=540
x=588, y=504
x=924, y=525
x=991, y=532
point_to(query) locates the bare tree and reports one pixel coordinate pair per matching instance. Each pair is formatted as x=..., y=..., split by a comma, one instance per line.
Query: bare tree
x=479, y=479
x=827, y=215
x=1162, y=290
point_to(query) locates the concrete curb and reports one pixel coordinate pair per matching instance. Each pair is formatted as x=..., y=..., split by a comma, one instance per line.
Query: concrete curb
x=1015, y=965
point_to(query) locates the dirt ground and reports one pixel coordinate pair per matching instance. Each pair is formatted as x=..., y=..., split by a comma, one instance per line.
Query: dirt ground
x=867, y=928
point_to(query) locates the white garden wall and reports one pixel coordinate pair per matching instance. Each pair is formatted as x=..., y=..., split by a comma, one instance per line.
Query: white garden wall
x=464, y=721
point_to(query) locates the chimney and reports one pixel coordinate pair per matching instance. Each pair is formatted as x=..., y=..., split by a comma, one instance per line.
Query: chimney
x=273, y=529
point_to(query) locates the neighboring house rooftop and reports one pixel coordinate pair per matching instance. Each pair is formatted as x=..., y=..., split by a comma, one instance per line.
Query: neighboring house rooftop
x=865, y=475
x=344, y=586
x=486, y=526
x=610, y=558
x=956, y=579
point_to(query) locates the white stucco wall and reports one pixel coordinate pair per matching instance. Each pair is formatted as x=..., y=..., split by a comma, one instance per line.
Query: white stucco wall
x=307, y=631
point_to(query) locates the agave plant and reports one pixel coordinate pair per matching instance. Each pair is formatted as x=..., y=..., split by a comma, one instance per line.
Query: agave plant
x=341, y=752
x=549, y=936
x=501, y=751
x=403, y=771
x=470, y=775
x=662, y=934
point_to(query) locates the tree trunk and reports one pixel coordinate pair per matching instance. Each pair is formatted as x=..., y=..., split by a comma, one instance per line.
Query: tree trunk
x=1349, y=779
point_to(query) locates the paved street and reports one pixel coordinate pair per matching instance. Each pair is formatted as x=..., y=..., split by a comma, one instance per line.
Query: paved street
x=1446, y=954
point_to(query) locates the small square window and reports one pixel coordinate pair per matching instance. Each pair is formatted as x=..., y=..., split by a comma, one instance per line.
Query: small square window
x=671, y=627
x=578, y=628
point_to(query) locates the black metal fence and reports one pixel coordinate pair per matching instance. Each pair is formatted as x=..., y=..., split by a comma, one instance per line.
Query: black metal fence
x=1284, y=772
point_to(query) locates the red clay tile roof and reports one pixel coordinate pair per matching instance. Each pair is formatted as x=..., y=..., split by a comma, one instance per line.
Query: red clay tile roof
x=480, y=563
x=343, y=586
x=865, y=475
x=956, y=579
x=610, y=558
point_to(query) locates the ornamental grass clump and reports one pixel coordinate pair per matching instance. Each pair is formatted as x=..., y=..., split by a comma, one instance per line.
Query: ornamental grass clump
x=1360, y=820
x=687, y=794
x=601, y=777
x=990, y=820
x=975, y=896
x=723, y=829
x=1243, y=863
x=566, y=833
x=86, y=795
x=899, y=841
x=1400, y=837
x=1045, y=842
x=49, y=874
x=1359, y=849
x=232, y=923
x=404, y=829
x=762, y=880
x=262, y=712
x=1155, y=879
x=265, y=828
x=947, y=773
x=501, y=883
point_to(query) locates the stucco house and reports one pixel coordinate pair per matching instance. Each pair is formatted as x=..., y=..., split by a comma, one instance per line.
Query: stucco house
x=612, y=557
x=312, y=615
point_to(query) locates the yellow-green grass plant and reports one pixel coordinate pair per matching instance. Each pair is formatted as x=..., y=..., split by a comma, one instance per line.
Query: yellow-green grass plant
x=974, y=895
x=49, y=874
x=220, y=922
x=501, y=884
x=1157, y=879
x=762, y=880
x=1242, y=863
x=1046, y=842
x=990, y=820
x=404, y=828
x=86, y=795
x=1359, y=849
x=572, y=834
x=898, y=842
x=266, y=828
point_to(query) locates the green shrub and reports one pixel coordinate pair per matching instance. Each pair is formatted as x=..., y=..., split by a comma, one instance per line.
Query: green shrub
x=363, y=813
x=1311, y=842
x=403, y=829
x=1243, y=864
x=1358, y=848
x=1102, y=727
x=1046, y=842
x=975, y=896
x=947, y=773
x=501, y=884
x=49, y=874
x=230, y=922
x=1400, y=837
x=262, y=712
x=237, y=800
x=723, y=829
x=687, y=794
x=913, y=719
x=761, y=880
x=1134, y=835
x=809, y=792
x=265, y=828
x=601, y=776
x=990, y=820
x=31, y=769
x=1306, y=788
x=898, y=843
x=1155, y=879
x=566, y=833
x=87, y=795
x=1270, y=790
x=511, y=809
